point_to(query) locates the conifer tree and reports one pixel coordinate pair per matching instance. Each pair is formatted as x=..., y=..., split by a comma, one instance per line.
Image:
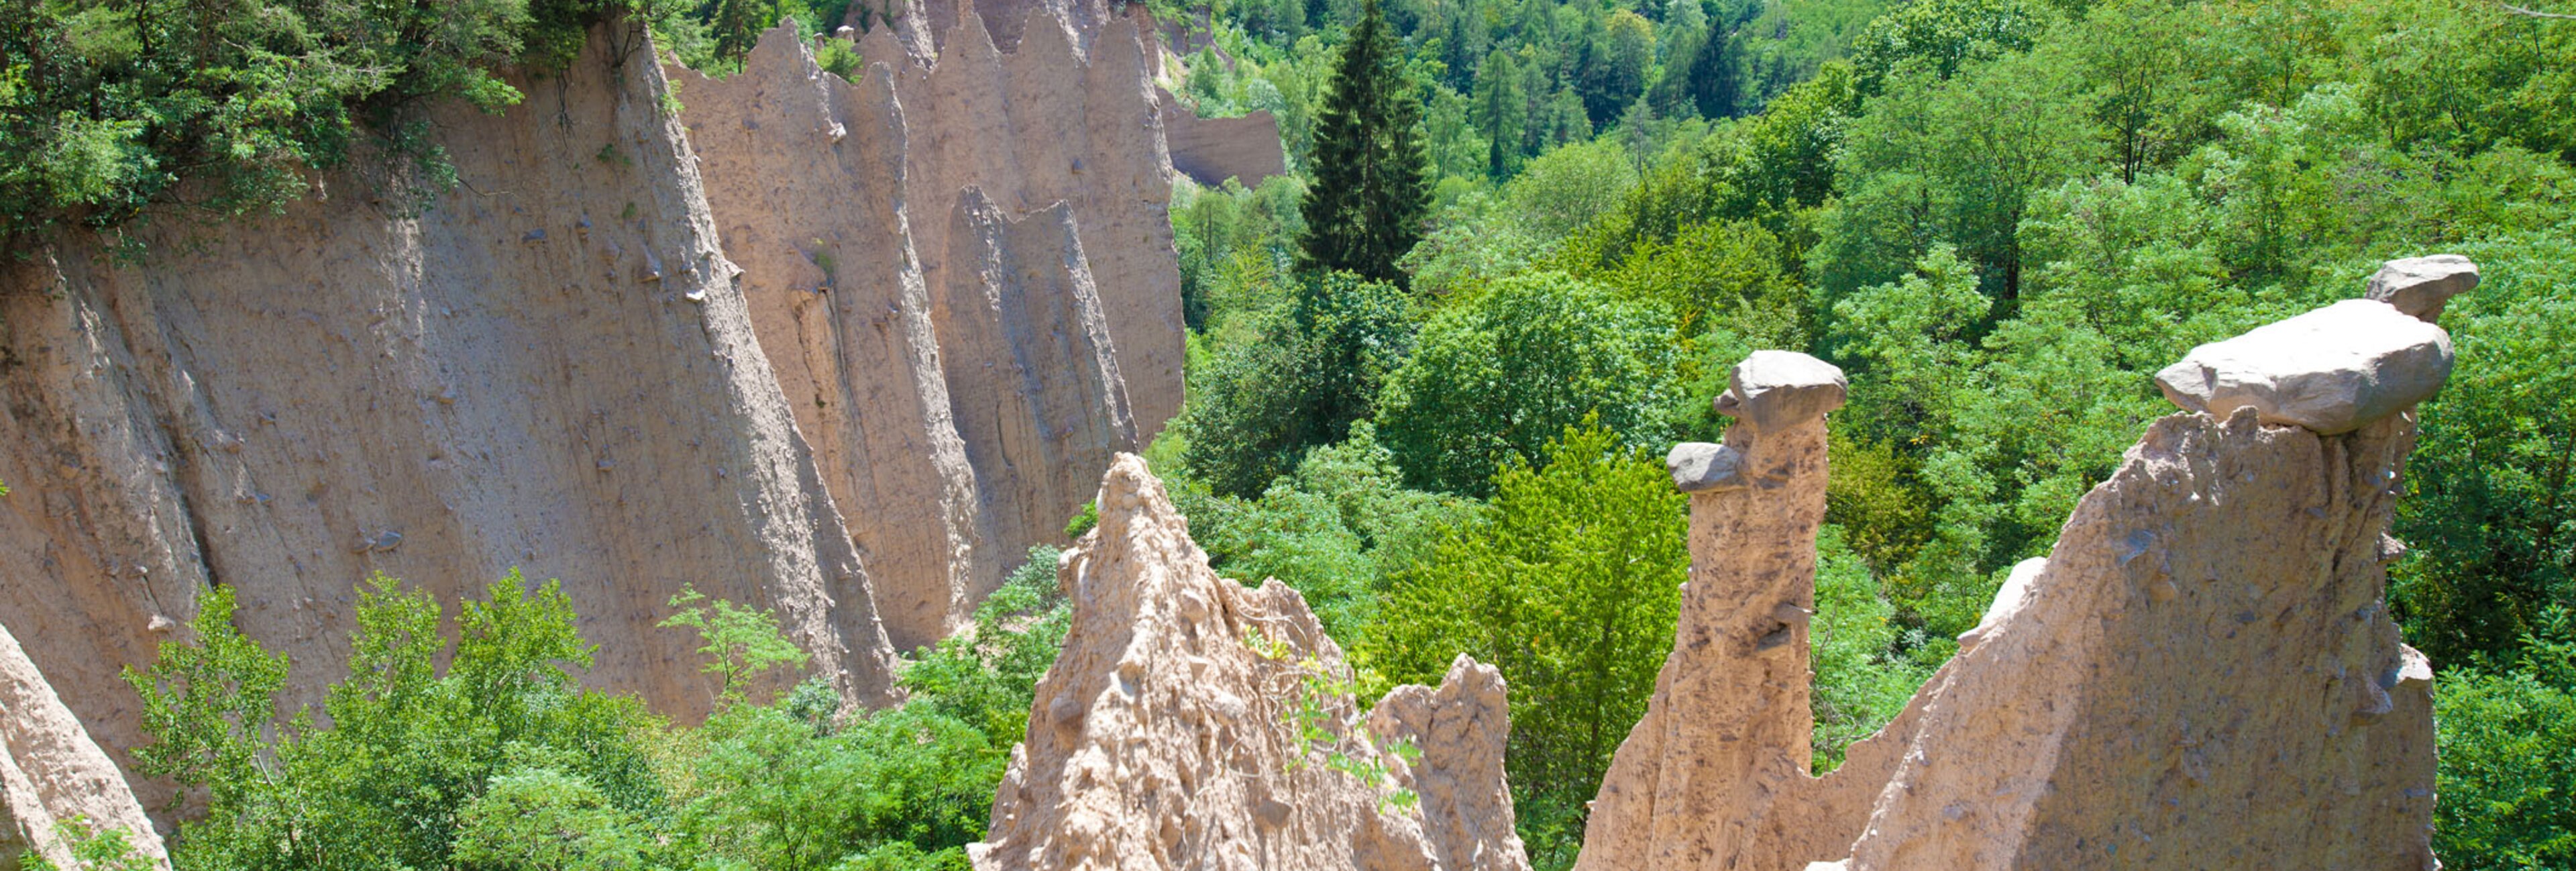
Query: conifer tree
x=1715, y=76
x=1370, y=194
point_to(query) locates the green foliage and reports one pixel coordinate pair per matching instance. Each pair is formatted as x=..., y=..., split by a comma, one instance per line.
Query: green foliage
x=1940, y=36
x=1862, y=679
x=107, y=108
x=1953, y=159
x=784, y=786
x=1326, y=738
x=1083, y=521
x=2507, y=750
x=504, y=762
x=1567, y=584
x=541, y=818
x=740, y=644
x=1495, y=378
x=408, y=752
x=1367, y=204
x=92, y=849
x=1338, y=530
x=1315, y=368
x=989, y=678
x=2491, y=512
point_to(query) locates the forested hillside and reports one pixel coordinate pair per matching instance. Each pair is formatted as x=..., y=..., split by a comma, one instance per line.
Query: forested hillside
x=2000, y=217
x=1434, y=369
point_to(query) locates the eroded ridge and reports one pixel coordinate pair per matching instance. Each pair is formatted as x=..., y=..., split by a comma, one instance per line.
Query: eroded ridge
x=1191, y=722
x=918, y=247
x=551, y=368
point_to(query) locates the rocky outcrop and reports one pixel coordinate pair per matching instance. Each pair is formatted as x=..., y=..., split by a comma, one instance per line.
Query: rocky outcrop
x=2331, y=370
x=1461, y=727
x=53, y=776
x=2421, y=286
x=1193, y=723
x=957, y=363
x=1040, y=402
x=1211, y=150
x=550, y=367
x=1716, y=774
x=2202, y=673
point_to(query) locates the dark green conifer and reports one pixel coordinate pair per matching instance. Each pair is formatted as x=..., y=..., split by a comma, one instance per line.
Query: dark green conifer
x=1371, y=192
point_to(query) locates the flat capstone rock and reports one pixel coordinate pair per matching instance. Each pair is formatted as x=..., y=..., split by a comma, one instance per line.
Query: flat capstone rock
x=2332, y=370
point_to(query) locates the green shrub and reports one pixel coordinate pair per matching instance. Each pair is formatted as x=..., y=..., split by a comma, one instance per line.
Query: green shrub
x=1495, y=378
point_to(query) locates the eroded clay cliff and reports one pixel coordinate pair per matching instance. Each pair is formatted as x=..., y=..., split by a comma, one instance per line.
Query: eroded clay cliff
x=1191, y=722
x=52, y=773
x=923, y=256
x=551, y=368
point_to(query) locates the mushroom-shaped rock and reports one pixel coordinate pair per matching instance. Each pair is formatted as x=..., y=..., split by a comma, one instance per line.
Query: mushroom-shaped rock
x=1704, y=467
x=2331, y=370
x=1772, y=389
x=2419, y=286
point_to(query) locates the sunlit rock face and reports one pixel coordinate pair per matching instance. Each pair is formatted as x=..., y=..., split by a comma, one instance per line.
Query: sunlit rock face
x=1194, y=723
x=943, y=330
x=551, y=367
x=2202, y=673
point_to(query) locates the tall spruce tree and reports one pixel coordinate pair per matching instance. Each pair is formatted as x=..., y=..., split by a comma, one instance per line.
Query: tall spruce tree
x=1370, y=194
x=1716, y=73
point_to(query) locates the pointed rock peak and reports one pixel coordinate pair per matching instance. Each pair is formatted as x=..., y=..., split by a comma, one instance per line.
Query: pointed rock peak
x=969, y=38
x=2420, y=286
x=781, y=51
x=1046, y=43
x=2332, y=370
x=1191, y=722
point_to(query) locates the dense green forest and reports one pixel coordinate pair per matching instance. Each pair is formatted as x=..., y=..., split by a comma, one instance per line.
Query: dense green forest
x=1999, y=216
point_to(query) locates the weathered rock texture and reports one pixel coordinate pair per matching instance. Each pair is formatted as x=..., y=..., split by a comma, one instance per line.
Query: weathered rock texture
x=1715, y=775
x=1067, y=115
x=550, y=368
x=1211, y=150
x=52, y=773
x=959, y=365
x=2421, y=286
x=1167, y=735
x=2331, y=370
x=2201, y=674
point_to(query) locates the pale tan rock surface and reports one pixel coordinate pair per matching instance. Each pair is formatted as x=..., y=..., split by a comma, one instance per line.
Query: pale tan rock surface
x=841, y=201
x=1065, y=115
x=2331, y=370
x=51, y=773
x=1166, y=734
x=2202, y=674
x=805, y=173
x=2421, y=286
x=1210, y=150
x=1461, y=728
x=550, y=368
x=1035, y=381
x=1716, y=774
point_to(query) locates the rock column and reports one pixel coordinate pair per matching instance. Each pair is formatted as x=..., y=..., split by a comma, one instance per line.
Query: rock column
x=1728, y=726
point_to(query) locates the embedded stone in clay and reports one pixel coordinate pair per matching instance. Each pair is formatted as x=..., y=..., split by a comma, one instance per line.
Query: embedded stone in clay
x=2331, y=370
x=1772, y=389
x=1703, y=467
x=2420, y=286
